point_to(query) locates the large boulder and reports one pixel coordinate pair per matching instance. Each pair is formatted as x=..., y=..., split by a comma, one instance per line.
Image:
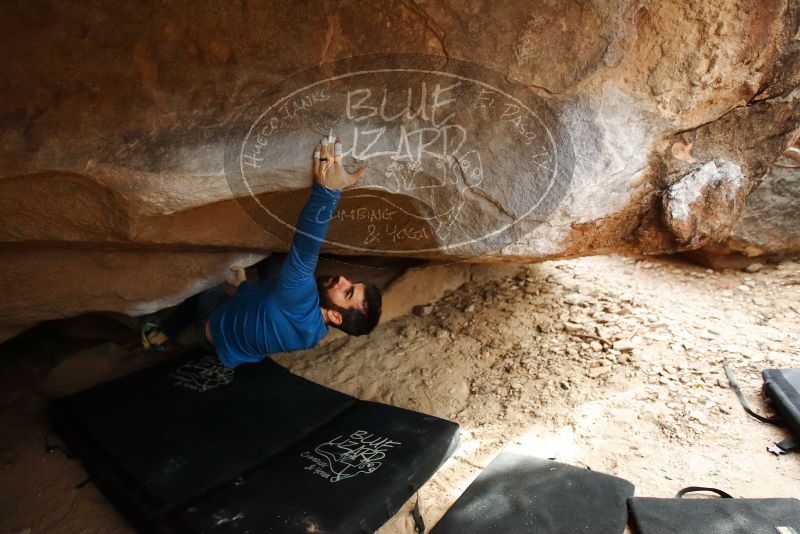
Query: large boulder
x=175, y=138
x=770, y=223
x=769, y=226
x=704, y=204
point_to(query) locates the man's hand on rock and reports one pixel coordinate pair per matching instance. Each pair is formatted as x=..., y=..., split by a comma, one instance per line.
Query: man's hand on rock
x=328, y=168
x=239, y=276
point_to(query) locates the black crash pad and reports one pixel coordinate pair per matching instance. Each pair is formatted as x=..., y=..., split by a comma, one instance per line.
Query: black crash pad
x=177, y=447
x=782, y=387
x=523, y=494
x=715, y=516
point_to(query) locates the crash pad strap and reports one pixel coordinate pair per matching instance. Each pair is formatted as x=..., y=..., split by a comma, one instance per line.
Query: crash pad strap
x=743, y=401
x=694, y=489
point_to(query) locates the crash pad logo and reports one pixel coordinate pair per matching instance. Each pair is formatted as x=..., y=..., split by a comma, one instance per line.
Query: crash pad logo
x=347, y=456
x=202, y=374
x=460, y=159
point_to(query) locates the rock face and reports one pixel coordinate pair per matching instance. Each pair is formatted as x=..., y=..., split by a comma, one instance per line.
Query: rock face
x=704, y=204
x=178, y=136
x=770, y=222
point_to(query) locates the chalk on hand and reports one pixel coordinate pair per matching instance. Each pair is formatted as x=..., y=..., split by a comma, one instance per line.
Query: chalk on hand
x=337, y=149
x=316, y=153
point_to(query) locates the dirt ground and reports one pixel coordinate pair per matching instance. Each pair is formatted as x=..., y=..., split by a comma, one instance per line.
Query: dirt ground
x=609, y=362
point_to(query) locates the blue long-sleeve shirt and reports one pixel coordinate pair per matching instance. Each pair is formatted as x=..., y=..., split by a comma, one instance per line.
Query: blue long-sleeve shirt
x=281, y=314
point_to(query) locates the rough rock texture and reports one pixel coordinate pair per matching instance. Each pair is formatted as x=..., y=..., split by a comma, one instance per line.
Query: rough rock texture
x=769, y=226
x=770, y=223
x=704, y=204
x=121, y=122
x=49, y=283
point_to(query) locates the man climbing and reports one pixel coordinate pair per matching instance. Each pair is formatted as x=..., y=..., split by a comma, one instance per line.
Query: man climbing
x=290, y=310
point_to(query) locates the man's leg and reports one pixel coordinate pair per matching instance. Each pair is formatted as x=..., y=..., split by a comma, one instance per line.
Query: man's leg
x=181, y=317
x=155, y=332
x=208, y=301
x=187, y=314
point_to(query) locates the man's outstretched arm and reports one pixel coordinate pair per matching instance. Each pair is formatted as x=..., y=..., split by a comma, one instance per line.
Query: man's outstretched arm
x=330, y=177
x=312, y=226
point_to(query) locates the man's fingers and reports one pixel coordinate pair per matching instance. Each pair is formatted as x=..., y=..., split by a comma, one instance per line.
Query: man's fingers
x=325, y=145
x=325, y=154
x=316, y=160
x=331, y=141
x=337, y=149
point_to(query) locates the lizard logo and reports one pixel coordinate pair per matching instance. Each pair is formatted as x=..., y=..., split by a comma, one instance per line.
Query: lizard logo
x=461, y=161
x=344, y=457
x=203, y=374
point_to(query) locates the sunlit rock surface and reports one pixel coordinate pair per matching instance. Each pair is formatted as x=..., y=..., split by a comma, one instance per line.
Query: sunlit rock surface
x=125, y=134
